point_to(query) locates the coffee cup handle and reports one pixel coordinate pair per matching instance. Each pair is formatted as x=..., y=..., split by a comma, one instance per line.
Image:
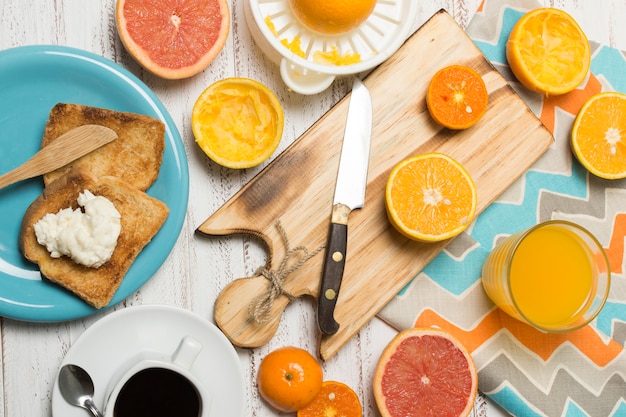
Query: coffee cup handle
x=186, y=352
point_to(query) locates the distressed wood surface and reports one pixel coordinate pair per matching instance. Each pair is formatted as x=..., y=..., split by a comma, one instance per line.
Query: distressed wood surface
x=199, y=268
x=297, y=188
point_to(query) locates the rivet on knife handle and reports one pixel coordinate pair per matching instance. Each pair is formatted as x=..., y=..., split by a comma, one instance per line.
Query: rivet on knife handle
x=333, y=269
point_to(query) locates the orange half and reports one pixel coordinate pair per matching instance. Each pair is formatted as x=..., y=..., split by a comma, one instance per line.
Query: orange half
x=548, y=52
x=457, y=97
x=237, y=122
x=335, y=399
x=430, y=197
x=332, y=16
x=598, y=136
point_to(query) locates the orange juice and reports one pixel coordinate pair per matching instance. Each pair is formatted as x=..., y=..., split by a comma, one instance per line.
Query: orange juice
x=552, y=277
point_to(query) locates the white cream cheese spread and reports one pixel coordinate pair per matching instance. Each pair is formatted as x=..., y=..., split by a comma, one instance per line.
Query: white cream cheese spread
x=88, y=236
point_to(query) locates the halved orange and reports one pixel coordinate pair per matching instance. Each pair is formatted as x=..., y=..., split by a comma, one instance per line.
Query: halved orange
x=332, y=16
x=335, y=399
x=548, y=52
x=173, y=39
x=598, y=136
x=237, y=122
x=430, y=197
x=425, y=372
x=457, y=97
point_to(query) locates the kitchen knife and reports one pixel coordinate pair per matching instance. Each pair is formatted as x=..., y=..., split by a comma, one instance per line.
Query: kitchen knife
x=349, y=195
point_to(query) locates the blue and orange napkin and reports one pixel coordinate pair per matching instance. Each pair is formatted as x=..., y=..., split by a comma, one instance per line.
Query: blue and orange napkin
x=529, y=373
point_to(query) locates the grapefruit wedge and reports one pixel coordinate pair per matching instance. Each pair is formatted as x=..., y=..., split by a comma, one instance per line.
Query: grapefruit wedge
x=425, y=372
x=173, y=39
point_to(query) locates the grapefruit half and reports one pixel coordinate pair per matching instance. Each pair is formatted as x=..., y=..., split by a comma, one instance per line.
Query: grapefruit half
x=173, y=39
x=425, y=372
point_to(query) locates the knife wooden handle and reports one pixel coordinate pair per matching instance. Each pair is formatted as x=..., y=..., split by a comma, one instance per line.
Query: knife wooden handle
x=334, y=263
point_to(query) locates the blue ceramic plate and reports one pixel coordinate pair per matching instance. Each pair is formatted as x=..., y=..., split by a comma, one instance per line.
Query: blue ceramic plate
x=32, y=80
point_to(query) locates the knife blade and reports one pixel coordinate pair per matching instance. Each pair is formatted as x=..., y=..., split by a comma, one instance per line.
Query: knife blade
x=349, y=195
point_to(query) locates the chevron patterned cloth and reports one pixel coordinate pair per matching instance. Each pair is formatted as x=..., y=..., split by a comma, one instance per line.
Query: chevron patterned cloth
x=527, y=372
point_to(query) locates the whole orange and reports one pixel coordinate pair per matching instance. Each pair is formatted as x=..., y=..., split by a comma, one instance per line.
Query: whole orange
x=289, y=378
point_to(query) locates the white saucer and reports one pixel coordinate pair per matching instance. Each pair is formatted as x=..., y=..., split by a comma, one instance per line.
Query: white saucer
x=118, y=337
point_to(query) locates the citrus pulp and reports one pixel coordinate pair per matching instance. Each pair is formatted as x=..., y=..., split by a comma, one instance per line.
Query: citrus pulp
x=425, y=372
x=173, y=39
x=548, y=52
x=289, y=378
x=598, y=136
x=430, y=197
x=237, y=122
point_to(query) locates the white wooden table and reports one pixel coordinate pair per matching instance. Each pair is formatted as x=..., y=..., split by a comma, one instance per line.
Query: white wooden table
x=31, y=353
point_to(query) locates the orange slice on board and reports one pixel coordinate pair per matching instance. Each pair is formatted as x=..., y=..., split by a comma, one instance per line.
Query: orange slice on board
x=237, y=122
x=548, y=52
x=289, y=378
x=173, y=40
x=430, y=197
x=457, y=97
x=425, y=372
x=598, y=136
x=336, y=399
x=332, y=16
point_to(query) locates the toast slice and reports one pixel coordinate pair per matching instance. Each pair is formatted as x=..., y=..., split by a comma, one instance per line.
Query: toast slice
x=135, y=156
x=141, y=218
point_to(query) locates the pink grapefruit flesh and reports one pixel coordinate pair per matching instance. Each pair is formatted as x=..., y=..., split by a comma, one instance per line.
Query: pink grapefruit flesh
x=425, y=372
x=173, y=39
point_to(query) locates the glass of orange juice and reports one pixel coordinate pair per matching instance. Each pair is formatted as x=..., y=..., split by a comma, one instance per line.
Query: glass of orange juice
x=554, y=276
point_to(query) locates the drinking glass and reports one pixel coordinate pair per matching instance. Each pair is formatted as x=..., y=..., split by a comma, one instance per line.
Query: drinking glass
x=554, y=276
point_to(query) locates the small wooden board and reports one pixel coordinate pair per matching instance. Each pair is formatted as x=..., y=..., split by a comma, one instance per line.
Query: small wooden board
x=297, y=188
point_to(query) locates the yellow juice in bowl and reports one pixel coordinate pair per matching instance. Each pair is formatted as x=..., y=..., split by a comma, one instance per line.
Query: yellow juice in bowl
x=554, y=276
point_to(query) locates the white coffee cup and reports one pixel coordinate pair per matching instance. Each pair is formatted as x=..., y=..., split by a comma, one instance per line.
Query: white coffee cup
x=155, y=382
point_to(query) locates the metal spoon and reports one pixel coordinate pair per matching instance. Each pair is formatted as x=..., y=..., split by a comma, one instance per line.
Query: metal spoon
x=77, y=389
x=66, y=148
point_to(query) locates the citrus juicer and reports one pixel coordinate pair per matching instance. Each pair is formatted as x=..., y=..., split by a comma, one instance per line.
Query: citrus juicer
x=274, y=27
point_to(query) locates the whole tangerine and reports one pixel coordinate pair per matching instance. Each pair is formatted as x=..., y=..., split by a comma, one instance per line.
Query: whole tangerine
x=289, y=378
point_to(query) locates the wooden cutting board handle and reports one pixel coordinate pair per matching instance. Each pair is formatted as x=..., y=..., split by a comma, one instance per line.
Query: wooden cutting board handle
x=249, y=310
x=241, y=325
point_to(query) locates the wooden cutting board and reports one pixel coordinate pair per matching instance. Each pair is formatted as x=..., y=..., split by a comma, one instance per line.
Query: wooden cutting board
x=297, y=188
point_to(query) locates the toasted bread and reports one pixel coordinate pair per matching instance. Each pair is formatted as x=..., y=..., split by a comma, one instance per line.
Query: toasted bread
x=141, y=218
x=135, y=156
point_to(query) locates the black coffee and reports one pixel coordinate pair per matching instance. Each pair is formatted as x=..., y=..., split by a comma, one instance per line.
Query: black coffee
x=157, y=392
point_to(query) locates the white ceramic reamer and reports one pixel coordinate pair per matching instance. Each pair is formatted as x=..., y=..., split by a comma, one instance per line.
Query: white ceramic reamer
x=375, y=40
